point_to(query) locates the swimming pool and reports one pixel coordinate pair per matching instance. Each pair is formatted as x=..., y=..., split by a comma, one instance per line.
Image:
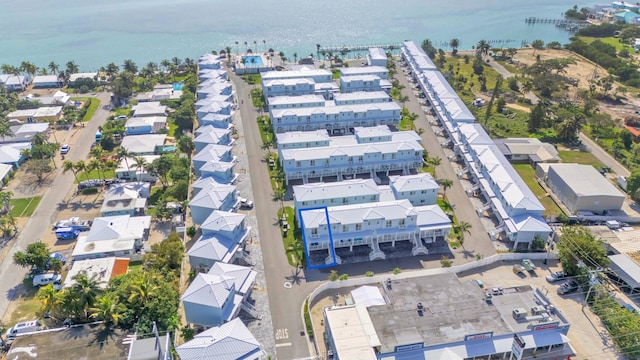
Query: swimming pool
x=257, y=60
x=177, y=86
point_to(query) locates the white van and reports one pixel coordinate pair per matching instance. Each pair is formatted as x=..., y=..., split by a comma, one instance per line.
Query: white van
x=46, y=279
x=22, y=328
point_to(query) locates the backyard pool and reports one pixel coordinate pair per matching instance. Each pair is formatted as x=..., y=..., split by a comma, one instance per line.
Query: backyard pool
x=177, y=86
x=252, y=60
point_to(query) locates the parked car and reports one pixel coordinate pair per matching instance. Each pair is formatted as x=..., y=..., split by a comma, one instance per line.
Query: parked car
x=479, y=282
x=568, y=287
x=59, y=256
x=89, y=184
x=556, y=276
x=121, y=117
x=22, y=328
x=245, y=203
x=65, y=149
x=46, y=279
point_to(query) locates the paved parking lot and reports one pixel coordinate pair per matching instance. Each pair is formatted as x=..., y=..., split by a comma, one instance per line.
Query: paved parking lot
x=589, y=339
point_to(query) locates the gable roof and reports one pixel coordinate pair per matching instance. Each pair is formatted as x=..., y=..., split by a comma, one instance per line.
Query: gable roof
x=417, y=182
x=222, y=221
x=212, y=197
x=209, y=290
x=216, y=248
x=230, y=341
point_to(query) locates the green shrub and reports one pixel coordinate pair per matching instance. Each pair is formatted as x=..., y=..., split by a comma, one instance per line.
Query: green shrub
x=191, y=231
x=333, y=275
x=397, y=271
x=445, y=262
x=369, y=274
x=89, y=191
x=344, y=277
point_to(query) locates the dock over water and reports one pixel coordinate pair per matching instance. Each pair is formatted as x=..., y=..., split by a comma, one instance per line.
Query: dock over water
x=348, y=48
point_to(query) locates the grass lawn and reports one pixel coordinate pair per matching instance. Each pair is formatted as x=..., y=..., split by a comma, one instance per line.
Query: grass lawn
x=528, y=174
x=122, y=111
x=135, y=265
x=95, y=174
x=24, y=207
x=293, y=245
x=172, y=128
x=266, y=131
x=405, y=124
x=615, y=42
x=580, y=157
x=93, y=106
x=510, y=67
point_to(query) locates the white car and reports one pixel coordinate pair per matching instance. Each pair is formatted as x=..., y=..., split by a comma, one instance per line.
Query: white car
x=65, y=149
x=245, y=203
x=555, y=276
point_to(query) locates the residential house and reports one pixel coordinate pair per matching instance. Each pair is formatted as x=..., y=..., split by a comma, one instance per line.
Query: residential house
x=11, y=154
x=223, y=236
x=213, y=136
x=302, y=139
x=151, y=108
x=214, y=197
x=120, y=236
x=46, y=81
x=528, y=150
x=145, y=125
x=348, y=232
x=5, y=173
x=41, y=114
x=212, y=152
x=160, y=92
x=360, y=83
x=231, y=341
x=58, y=98
x=380, y=71
x=627, y=17
x=125, y=199
x=221, y=172
x=206, y=74
x=149, y=144
x=377, y=57
x=219, y=121
x=216, y=297
x=15, y=82
x=128, y=170
x=222, y=108
x=317, y=75
x=87, y=75
x=214, y=87
x=100, y=270
x=338, y=119
x=209, y=61
x=582, y=188
x=203, y=183
x=420, y=189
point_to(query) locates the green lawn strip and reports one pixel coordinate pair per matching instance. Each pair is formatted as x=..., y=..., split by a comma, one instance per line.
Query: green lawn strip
x=135, y=265
x=293, y=241
x=266, y=131
x=580, y=157
x=510, y=67
x=122, y=111
x=405, y=124
x=528, y=174
x=172, y=128
x=24, y=207
x=95, y=174
x=95, y=104
x=446, y=207
x=615, y=42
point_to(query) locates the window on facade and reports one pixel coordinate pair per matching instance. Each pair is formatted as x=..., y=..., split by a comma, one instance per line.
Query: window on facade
x=298, y=164
x=389, y=223
x=393, y=156
x=345, y=200
x=345, y=228
x=401, y=222
x=424, y=191
x=412, y=192
x=314, y=232
x=358, y=227
x=313, y=163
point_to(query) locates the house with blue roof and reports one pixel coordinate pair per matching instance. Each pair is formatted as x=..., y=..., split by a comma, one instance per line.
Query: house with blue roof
x=627, y=17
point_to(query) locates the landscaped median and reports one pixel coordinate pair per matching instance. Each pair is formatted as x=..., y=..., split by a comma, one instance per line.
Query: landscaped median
x=24, y=207
x=291, y=237
x=91, y=108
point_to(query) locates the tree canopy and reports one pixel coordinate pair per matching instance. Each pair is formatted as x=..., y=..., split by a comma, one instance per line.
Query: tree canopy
x=35, y=255
x=578, y=247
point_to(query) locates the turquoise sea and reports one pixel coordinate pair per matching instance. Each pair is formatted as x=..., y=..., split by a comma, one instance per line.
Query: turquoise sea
x=94, y=33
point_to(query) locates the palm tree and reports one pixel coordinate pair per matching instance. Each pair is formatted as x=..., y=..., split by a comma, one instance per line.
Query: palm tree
x=53, y=67
x=141, y=164
x=123, y=154
x=5, y=129
x=142, y=290
x=68, y=165
x=109, y=309
x=454, y=43
x=130, y=66
x=186, y=145
x=295, y=57
x=72, y=67
x=228, y=51
x=87, y=291
x=483, y=47
x=279, y=195
x=460, y=229
x=48, y=297
x=95, y=164
x=9, y=69
x=28, y=68
x=98, y=152
x=403, y=99
x=412, y=117
x=435, y=161
x=39, y=139
x=446, y=183
x=5, y=198
x=81, y=166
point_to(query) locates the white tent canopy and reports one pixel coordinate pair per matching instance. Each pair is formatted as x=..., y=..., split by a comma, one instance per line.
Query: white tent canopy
x=368, y=296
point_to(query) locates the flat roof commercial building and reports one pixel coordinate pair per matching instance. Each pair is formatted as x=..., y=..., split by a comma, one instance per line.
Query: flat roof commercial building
x=438, y=317
x=582, y=188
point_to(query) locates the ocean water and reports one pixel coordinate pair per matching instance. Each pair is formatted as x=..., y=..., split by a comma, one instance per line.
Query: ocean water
x=94, y=33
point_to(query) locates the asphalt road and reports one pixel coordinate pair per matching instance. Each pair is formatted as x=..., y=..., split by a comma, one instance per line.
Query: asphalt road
x=603, y=156
x=285, y=302
x=42, y=219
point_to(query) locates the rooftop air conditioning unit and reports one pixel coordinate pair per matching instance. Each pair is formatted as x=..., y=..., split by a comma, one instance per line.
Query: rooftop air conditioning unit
x=519, y=313
x=537, y=310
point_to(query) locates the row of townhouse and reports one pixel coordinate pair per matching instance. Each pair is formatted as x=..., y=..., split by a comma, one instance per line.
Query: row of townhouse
x=220, y=288
x=351, y=156
x=518, y=210
x=314, y=100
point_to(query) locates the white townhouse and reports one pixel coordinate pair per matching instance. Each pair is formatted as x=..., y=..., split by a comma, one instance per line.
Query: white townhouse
x=380, y=71
x=206, y=74
x=209, y=61
x=214, y=87
x=314, y=164
x=290, y=102
x=376, y=57
x=363, y=83
x=288, y=87
x=302, y=139
x=420, y=189
x=220, y=121
x=317, y=75
x=376, y=230
x=348, y=192
x=337, y=119
x=361, y=97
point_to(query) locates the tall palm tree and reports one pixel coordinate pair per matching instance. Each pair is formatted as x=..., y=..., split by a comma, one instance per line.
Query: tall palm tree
x=295, y=57
x=454, y=44
x=28, y=68
x=95, y=164
x=48, y=297
x=412, y=117
x=98, y=152
x=5, y=198
x=109, y=309
x=141, y=164
x=123, y=154
x=435, y=161
x=68, y=165
x=176, y=61
x=460, y=229
x=5, y=129
x=87, y=291
x=81, y=166
x=130, y=66
x=72, y=67
x=186, y=145
x=228, y=51
x=165, y=63
x=142, y=289
x=53, y=67
x=39, y=139
x=483, y=47
x=403, y=99
x=446, y=183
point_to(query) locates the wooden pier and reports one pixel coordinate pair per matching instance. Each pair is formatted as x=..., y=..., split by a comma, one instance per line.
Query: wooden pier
x=349, y=48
